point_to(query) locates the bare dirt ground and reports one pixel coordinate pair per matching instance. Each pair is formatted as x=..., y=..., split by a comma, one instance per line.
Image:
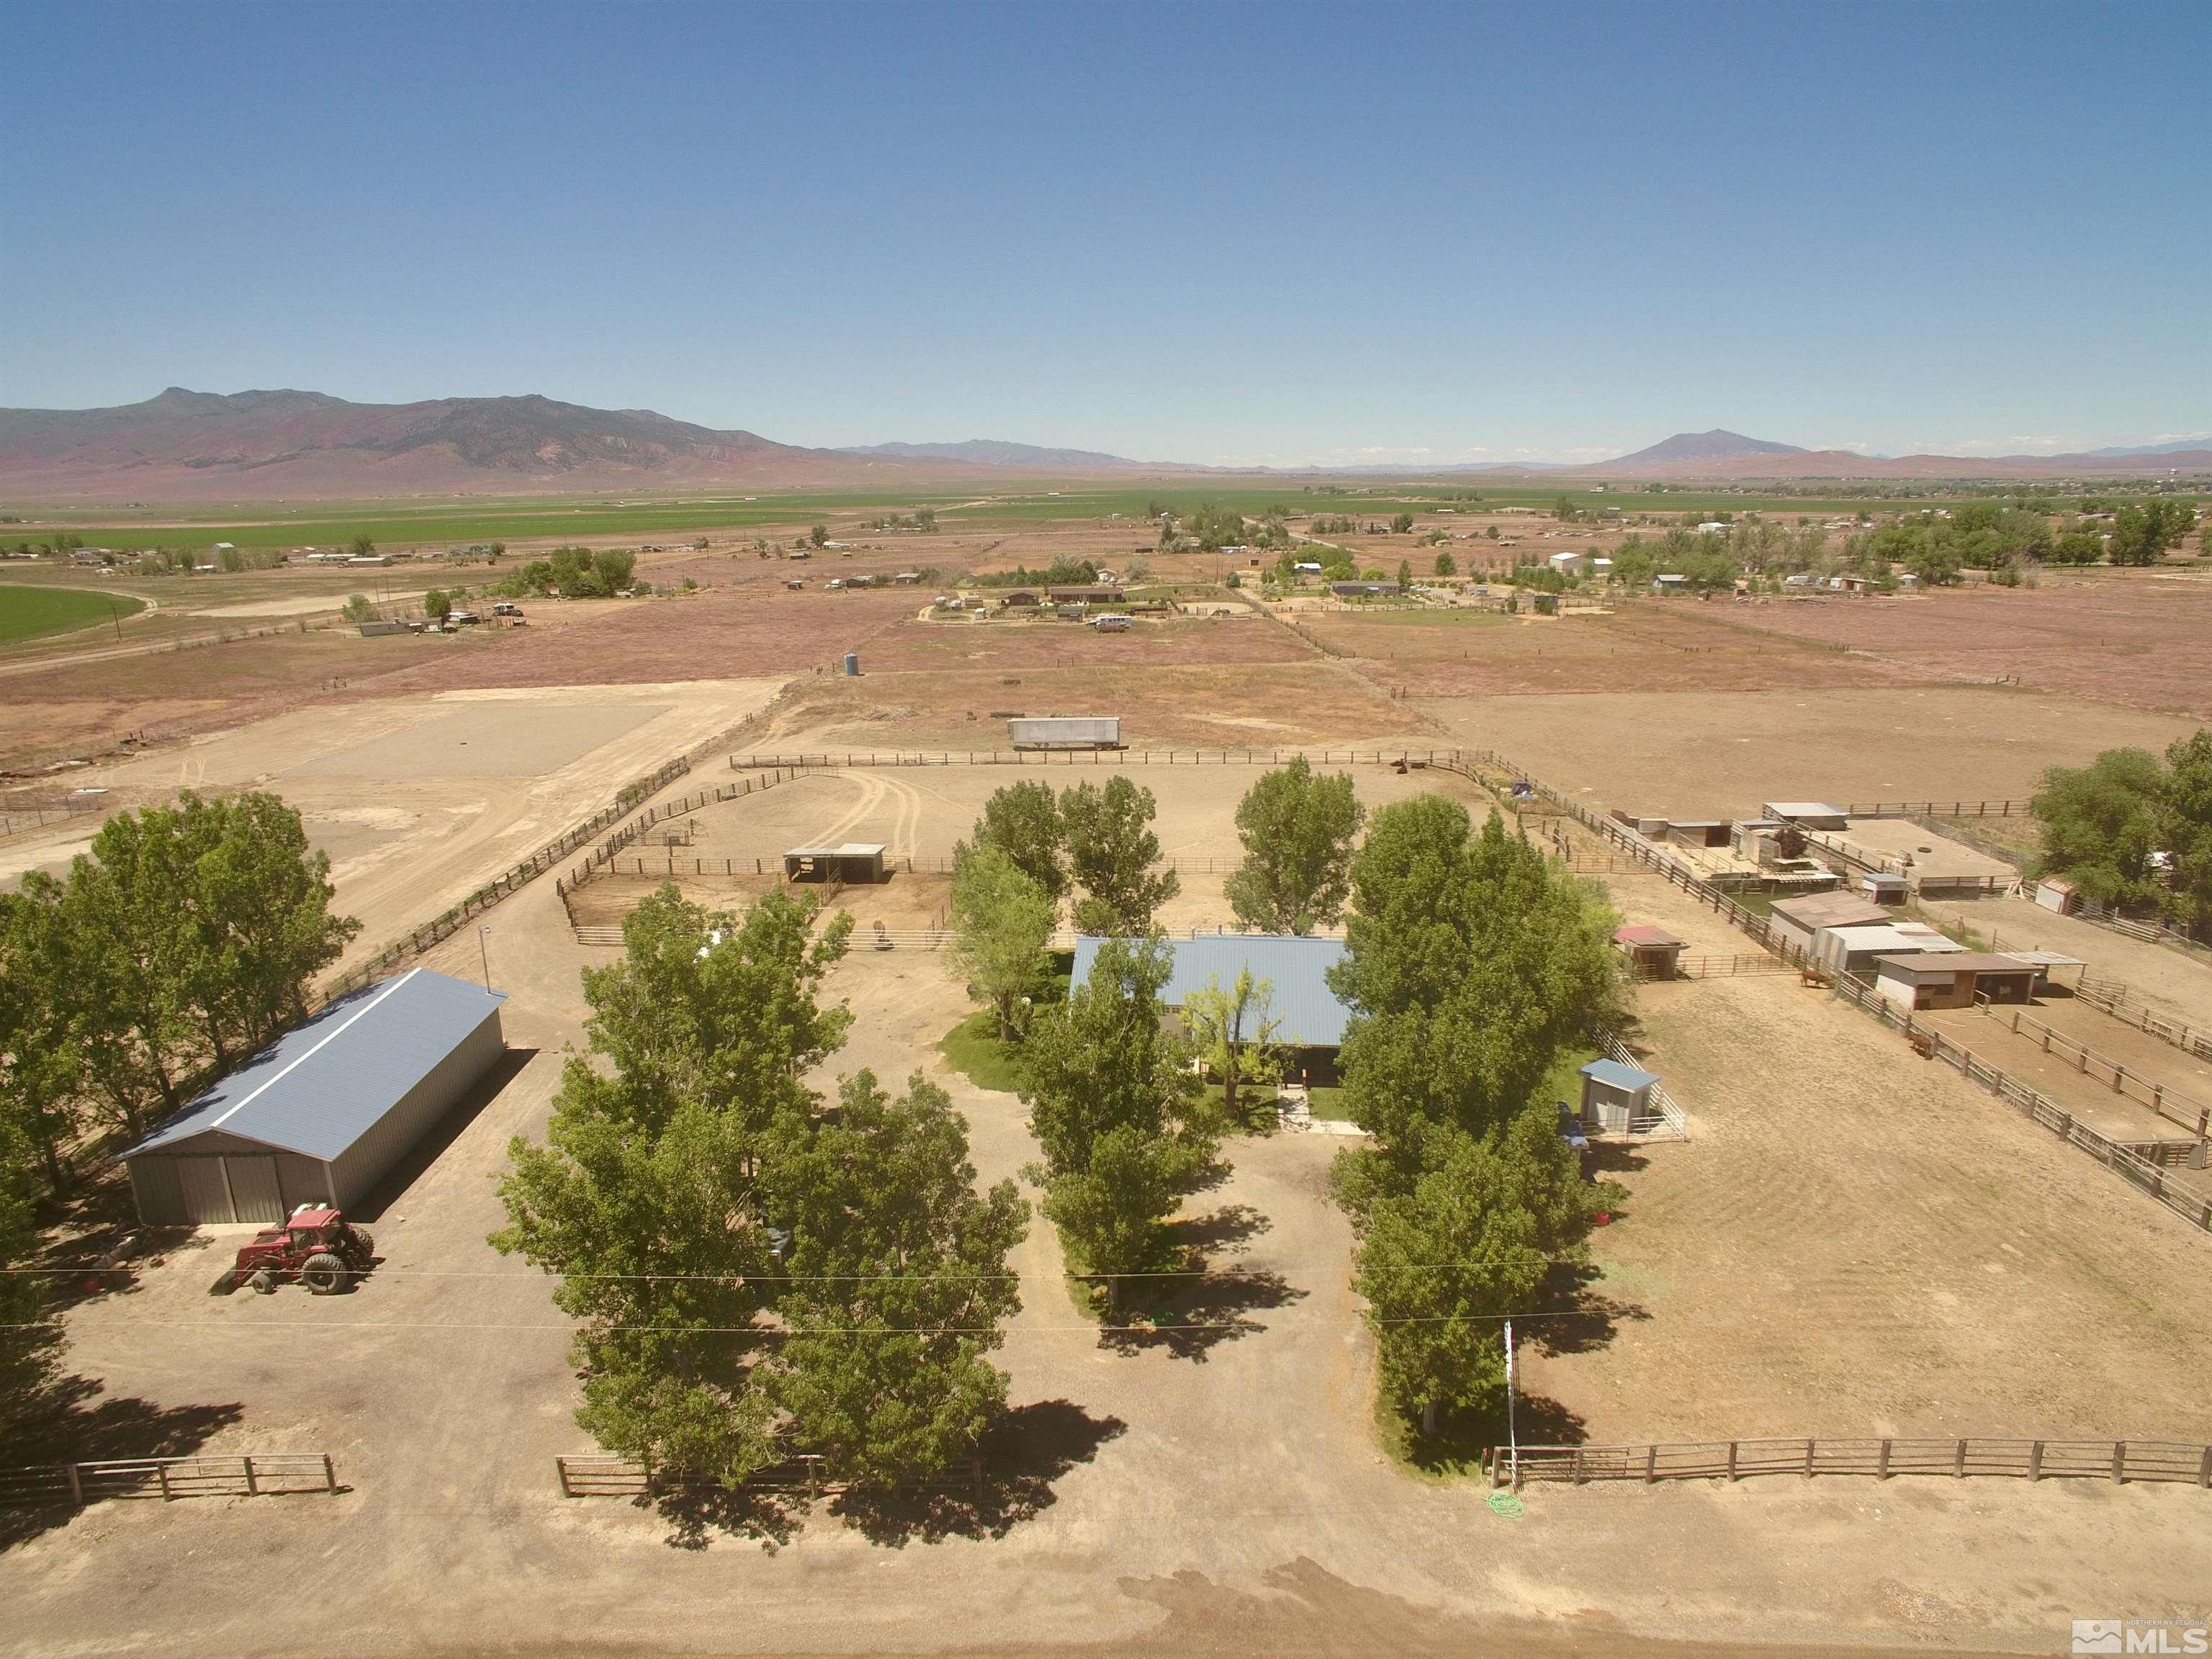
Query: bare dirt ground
x=1242, y=636
x=1893, y=840
x=419, y=801
x=2119, y=637
x=1696, y=753
x=1989, y=1035
x=1214, y=1490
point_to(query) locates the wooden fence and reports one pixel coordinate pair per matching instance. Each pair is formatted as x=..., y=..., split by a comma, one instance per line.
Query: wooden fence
x=1935, y=809
x=601, y=860
x=2117, y=1461
x=596, y=1476
x=1414, y=758
x=21, y=820
x=261, y=1474
x=2114, y=1000
x=2150, y=932
x=2169, y=1103
x=522, y=875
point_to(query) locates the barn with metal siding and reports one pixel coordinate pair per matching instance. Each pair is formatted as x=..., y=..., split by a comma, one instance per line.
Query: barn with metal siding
x=325, y=1111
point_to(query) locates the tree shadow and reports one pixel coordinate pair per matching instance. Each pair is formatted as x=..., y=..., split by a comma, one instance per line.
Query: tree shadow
x=1463, y=1440
x=92, y=1244
x=1579, y=1318
x=696, y=1514
x=1022, y=1454
x=63, y=1425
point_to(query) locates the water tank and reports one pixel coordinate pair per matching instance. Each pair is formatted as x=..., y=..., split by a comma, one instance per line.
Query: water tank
x=852, y=664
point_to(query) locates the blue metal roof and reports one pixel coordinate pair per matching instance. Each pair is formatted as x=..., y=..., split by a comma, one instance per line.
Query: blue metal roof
x=1295, y=968
x=1619, y=1076
x=323, y=1084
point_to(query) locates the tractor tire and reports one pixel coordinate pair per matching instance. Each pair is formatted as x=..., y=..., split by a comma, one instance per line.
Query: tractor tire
x=323, y=1274
x=262, y=1283
x=364, y=1246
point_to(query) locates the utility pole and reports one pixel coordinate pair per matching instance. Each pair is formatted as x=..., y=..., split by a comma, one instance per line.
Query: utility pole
x=1512, y=1436
x=483, y=951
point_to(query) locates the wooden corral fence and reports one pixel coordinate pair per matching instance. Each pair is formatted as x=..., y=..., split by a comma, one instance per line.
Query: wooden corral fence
x=597, y=1476
x=21, y=820
x=601, y=860
x=522, y=875
x=2124, y=1159
x=2150, y=932
x=2115, y=999
x=2168, y=1103
x=1940, y=809
x=2118, y=1461
x=1718, y=967
x=260, y=1475
x=1413, y=758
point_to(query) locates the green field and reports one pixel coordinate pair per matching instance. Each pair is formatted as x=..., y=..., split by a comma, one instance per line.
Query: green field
x=30, y=613
x=586, y=519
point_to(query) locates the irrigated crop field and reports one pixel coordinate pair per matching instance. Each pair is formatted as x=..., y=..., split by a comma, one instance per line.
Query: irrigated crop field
x=30, y=613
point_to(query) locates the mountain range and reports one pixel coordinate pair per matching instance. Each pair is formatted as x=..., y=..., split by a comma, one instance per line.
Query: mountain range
x=197, y=446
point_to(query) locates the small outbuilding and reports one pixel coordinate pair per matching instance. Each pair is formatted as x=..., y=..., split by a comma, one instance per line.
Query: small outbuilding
x=2056, y=894
x=1795, y=920
x=1697, y=832
x=1922, y=981
x=1884, y=888
x=1617, y=1097
x=1065, y=731
x=1855, y=950
x=855, y=863
x=325, y=1112
x=1652, y=951
x=1808, y=814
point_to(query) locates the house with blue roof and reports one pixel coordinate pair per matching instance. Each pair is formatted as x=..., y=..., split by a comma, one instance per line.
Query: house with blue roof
x=1309, y=1018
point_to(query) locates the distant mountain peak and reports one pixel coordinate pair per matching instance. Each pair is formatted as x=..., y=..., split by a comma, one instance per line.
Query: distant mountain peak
x=1717, y=445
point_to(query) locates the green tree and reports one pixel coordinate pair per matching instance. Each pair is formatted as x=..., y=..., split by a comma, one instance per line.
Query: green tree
x=2184, y=829
x=2101, y=826
x=1298, y=831
x=819, y=535
x=569, y=570
x=39, y=1071
x=363, y=547
x=1118, y=1113
x=1400, y=523
x=437, y=605
x=653, y=1196
x=1234, y=1031
x=1405, y=576
x=29, y=1333
x=1022, y=821
x=899, y=1280
x=1446, y=565
x=1112, y=851
x=358, y=609
x=611, y=568
x=1001, y=922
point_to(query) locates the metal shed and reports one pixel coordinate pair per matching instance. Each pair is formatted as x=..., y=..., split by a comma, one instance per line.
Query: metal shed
x=856, y=862
x=1617, y=1096
x=325, y=1111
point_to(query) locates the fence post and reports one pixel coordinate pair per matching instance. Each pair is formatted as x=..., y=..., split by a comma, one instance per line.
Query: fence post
x=1731, y=1461
x=2205, y=1468
x=330, y=1474
x=561, y=1464
x=251, y=1490
x=2035, y=1459
x=1881, y=1462
x=1650, y=1464
x=76, y=1482
x=1808, y=1456
x=2119, y=1462
x=161, y=1473
x=1576, y=1474
x=1959, y=1461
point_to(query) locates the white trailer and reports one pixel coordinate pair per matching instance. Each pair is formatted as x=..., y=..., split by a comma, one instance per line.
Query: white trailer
x=1066, y=731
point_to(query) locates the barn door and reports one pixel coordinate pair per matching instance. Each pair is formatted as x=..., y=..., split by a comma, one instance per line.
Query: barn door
x=254, y=1194
x=207, y=1194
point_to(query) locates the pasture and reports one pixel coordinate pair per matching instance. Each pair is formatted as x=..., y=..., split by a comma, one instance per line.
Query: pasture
x=34, y=612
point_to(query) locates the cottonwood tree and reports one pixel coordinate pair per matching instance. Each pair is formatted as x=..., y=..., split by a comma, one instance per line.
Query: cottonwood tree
x=1022, y=821
x=37, y=1071
x=29, y=1333
x=2101, y=826
x=2184, y=829
x=897, y=1283
x=1471, y=962
x=1298, y=831
x=1114, y=1103
x=1002, y=922
x=1234, y=1029
x=1112, y=850
x=651, y=1196
x=183, y=941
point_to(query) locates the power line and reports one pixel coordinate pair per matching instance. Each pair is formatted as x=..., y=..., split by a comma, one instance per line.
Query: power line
x=811, y=1279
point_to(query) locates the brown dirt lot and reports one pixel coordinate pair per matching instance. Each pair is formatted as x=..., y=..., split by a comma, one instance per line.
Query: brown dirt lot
x=1854, y=1235
x=2127, y=637
x=1989, y=1035
x=2177, y=982
x=1645, y=647
x=1244, y=637
x=1701, y=753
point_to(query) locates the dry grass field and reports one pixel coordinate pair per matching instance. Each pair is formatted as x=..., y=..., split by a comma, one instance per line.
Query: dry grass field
x=1714, y=753
x=2137, y=638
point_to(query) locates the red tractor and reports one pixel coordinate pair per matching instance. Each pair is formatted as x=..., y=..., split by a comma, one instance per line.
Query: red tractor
x=316, y=1246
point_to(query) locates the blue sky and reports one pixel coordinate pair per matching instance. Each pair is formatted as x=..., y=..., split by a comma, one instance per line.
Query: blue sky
x=1270, y=233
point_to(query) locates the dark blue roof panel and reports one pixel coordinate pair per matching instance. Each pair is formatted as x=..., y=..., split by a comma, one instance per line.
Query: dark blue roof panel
x=325, y=1084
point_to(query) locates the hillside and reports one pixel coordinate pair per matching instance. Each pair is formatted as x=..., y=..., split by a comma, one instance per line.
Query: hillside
x=188, y=444
x=1729, y=456
x=994, y=452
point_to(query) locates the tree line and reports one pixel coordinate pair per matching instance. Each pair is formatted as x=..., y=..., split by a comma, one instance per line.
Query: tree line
x=184, y=941
x=2133, y=834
